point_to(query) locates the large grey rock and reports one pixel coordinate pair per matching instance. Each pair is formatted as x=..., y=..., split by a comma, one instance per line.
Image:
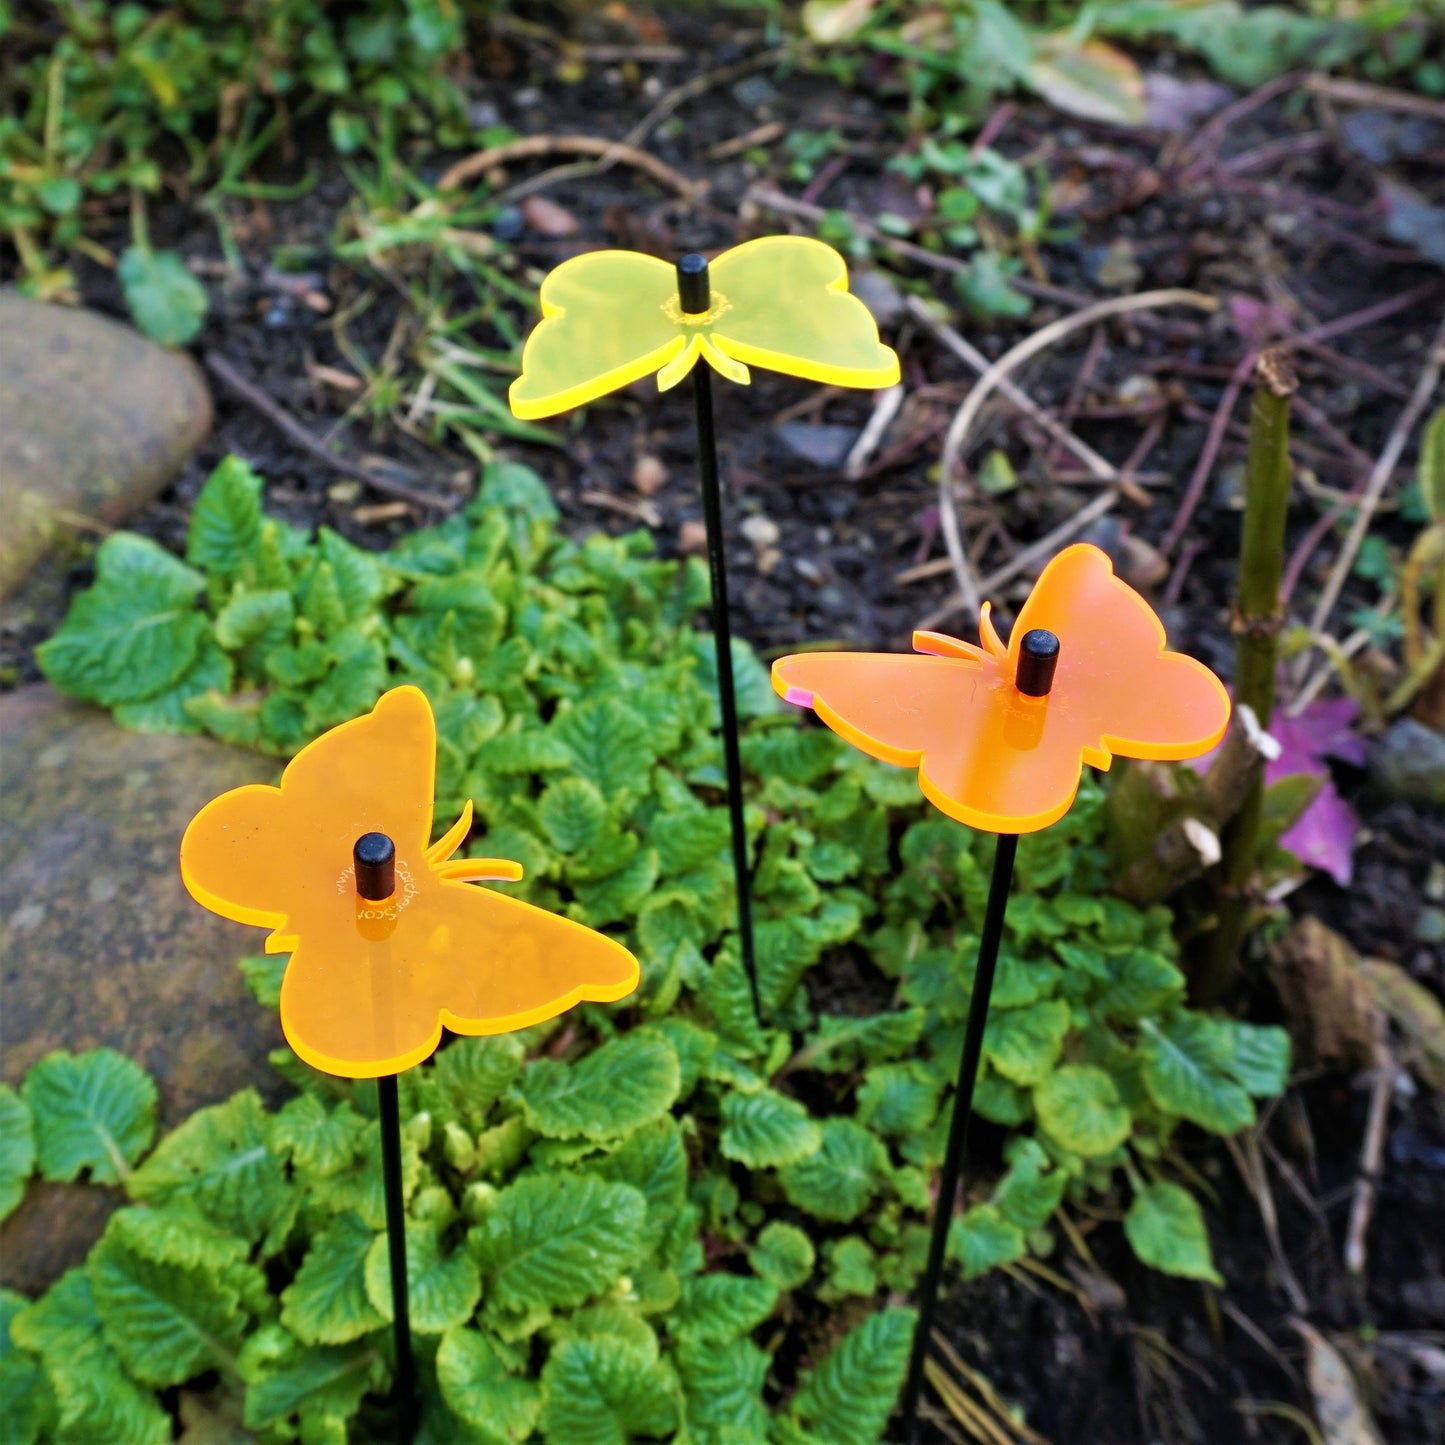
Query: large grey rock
x=1409, y=762
x=101, y=944
x=94, y=421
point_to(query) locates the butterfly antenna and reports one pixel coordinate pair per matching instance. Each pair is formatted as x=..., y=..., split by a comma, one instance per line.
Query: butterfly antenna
x=694, y=291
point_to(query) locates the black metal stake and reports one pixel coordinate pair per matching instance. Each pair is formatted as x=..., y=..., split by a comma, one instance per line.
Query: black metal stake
x=1038, y=658
x=695, y=295
x=375, y=858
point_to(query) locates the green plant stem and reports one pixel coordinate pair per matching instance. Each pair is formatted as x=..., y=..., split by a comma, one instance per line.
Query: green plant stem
x=1257, y=621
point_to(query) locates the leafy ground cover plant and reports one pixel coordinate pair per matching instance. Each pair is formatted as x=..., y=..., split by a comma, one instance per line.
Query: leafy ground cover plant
x=627, y=1225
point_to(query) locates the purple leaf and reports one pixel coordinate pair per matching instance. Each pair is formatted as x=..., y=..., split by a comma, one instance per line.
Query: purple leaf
x=1324, y=835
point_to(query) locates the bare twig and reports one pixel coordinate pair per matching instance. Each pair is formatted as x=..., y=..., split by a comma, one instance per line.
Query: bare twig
x=609, y=152
x=283, y=421
x=885, y=407
x=1362, y=1205
x=1251, y=1167
x=1011, y=360
x=1356, y=92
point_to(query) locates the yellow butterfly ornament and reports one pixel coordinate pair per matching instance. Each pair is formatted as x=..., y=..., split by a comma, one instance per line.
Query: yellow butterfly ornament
x=780, y=302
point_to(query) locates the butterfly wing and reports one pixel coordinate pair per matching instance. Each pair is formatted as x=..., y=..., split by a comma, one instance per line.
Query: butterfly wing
x=1121, y=691
x=374, y=1000
x=788, y=309
x=979, y=747
x=605, y=323
x=278, y=856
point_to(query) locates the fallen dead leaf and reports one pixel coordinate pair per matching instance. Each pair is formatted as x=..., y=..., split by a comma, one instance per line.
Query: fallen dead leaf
x=547, y=218
x=649, y=475
x=1325, y=992
x=691, y=538
x=1342, y=1415
x=1418, y=1015
x=1088, y=78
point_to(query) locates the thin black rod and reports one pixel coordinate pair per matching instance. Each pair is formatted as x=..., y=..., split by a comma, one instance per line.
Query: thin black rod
x=405, y=1390
x=723, y=640
x=998, y=889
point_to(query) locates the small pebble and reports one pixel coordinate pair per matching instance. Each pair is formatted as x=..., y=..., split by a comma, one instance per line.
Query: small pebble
x=761, y=531
x=808, y=570
x=649, y=475
x=692, y=538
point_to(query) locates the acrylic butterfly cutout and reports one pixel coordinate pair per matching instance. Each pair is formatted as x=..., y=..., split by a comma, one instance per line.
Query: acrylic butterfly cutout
x=370, y=985
x=986, y=753
x=780, y=302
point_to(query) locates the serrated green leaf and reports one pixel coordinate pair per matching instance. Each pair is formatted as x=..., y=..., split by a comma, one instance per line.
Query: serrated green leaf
x=178, y=1236
x=899, y=1099
x=838, y=1180
x=442, y=1288
x=1141, y=985
x=608, y=745
x=225, y=526
x=723, y=1388
x=17, y=1150
x=1023, y=1044
x=1166, y=1229
x=849, y=1269
x=166, y=301
x=327, y=1303
x=982, y=1238
x=766, y=1130
x=556, y=1241
x=171, y=711
x=605, y=1391
x=265, y=619
x=221, y=1163
x=263, y=974
x=1030, y=1192
x=783, y=1254
x=574, y=814
x=330, y=1380
x=360, y=576
x=653, y=1160
x=27, y=1402
x=321, y=1141
x=92, y=1111
x=468, y=1076
x=479, y=1389
x=1078, y=1105
x=132, y=635
x=847, y=1399
x=165, y=1322
x=1186, y=1070
x=615, y=1089
x=720, y=1307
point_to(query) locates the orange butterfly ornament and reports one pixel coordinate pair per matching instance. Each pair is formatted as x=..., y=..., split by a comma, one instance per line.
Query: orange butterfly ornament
x=987, y=752
x=372, y=981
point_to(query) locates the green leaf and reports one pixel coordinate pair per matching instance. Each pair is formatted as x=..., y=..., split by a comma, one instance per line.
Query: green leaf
x=766, y=1130
x=1023, y=1044
x=360, y=577
x=165, y=1322
x=167, y=302
x=556, y=1241
x=443, y=1289
x=285, y=1380
x=1079, y=1106
x=27, y=1402
x=983, y=1238
x=723, y=1386
x=321, y=1141
x=720, y=1307
x=847, y=1399
x=221, y=1163
x=851, y=1269
x=751, y=683
x=17, y=1150
x=899, y=1099
x=654, y=1160
x=136, y=632
x=468, y=1076
x=616, y=1088
x=605, y=1391
x=837, y=1182
x=327, y=1303
x=265, y=619
x=171, y=711
x=225, y=528
x=1258, y=1056
x=1166, y=1229
x=574, y=814
x=1142, y=984
x=479, y=1389
x=1027, y=1195
x=263, y=974
x=92, y=1111
x=608, y=746
x=783, y=1254
x=1186, y=1070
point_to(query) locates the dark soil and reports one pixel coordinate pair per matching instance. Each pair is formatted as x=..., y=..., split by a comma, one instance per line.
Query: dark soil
x=1136, y=1357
